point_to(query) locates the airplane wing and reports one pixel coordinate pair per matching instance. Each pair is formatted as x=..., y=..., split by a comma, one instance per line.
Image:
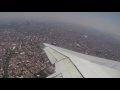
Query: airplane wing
x=70, y=64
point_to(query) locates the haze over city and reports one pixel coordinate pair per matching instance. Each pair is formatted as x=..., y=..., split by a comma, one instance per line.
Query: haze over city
x=104, y=21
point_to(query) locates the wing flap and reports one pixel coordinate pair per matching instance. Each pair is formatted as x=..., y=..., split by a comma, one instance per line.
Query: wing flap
x=50, y=56
x=55, y=54
x=67, y=68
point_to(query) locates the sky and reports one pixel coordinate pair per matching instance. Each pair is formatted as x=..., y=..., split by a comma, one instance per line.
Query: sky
x=105, y=21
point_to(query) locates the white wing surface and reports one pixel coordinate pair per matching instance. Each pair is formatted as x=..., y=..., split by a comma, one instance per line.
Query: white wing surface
x=70, y=64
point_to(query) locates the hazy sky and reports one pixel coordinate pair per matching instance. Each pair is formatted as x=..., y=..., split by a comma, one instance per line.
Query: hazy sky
x=104, y=21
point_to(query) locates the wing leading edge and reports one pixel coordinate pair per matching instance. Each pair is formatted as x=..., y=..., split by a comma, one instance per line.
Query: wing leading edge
x=68, y=65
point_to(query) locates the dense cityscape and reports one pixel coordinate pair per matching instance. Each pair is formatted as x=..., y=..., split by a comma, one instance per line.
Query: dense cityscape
x=22, y=57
